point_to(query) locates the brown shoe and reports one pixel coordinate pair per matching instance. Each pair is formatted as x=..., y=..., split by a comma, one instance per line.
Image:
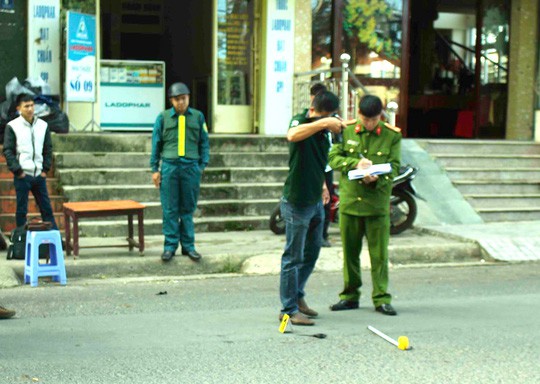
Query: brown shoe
x=298, y=319
x=6, y=313
x=305, y=309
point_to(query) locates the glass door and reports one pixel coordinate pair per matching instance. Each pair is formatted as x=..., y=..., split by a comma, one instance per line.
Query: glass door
x=493, y=80
x=233, y=85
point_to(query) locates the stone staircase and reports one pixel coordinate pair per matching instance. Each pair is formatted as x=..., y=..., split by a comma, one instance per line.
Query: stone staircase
x=239, y=189
x=500, y=179
x=8, y=200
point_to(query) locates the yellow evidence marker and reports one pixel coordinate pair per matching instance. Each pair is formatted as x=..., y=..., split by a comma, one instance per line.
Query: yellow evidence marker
x=284, y=323
x=403, y=343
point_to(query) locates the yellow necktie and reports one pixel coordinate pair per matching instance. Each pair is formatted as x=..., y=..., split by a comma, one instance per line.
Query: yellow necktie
x=181, y=135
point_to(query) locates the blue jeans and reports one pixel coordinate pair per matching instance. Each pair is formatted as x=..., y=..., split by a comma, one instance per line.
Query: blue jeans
x=38, y=186
x=303, y=228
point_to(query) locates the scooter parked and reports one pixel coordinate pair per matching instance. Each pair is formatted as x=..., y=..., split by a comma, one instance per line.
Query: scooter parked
x=403, y=208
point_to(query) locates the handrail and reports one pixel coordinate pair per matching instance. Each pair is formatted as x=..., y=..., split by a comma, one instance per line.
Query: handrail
x=357, y=82
x=353, y=78
x=449, y=45
x=318, y=71
x=347, y=76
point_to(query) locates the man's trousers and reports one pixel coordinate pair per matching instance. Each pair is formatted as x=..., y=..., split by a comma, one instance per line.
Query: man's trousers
x=180, y=184
x=377, y=232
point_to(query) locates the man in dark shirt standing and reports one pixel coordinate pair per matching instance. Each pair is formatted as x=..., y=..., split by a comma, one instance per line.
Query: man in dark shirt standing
x=28, y=152
x=302, y=205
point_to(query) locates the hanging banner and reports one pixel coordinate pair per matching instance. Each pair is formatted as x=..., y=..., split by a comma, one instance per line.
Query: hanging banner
x=44, y=42
x=81, y=57
x=279, y=67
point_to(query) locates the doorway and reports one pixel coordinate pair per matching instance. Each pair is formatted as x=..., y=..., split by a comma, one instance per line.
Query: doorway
x=457, y=83
x=176, y=32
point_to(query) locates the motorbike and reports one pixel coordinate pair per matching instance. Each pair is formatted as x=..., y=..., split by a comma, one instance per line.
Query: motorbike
x=403, y=207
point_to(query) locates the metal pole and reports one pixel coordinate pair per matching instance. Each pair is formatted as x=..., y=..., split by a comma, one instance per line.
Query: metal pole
x=379, y=333
x=345, y=58
x=392, y=108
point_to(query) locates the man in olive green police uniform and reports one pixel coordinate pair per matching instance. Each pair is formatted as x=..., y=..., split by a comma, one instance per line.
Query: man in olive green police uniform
x=364, y=207
x=304, y=194
x=180, y=141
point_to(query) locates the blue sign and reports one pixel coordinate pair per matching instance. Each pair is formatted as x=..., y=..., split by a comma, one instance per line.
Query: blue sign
x=81, y=57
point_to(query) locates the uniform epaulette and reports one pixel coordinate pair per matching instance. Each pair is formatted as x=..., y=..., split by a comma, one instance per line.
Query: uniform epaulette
x=395, y=129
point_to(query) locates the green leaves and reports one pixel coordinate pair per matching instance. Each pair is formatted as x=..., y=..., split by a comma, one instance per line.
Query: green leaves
x=367, y=20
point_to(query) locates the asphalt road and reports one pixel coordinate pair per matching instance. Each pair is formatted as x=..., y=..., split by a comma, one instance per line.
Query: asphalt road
x=466, y=325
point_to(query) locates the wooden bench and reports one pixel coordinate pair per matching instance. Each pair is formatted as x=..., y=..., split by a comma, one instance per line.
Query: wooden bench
x=86, y=209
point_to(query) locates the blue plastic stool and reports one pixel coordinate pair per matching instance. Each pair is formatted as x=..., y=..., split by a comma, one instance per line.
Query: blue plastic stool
x=56, y=266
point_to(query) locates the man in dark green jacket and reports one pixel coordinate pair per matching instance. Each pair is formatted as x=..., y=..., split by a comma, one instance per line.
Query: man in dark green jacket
x=364, y=206
x=180, y=142
x=304, y=194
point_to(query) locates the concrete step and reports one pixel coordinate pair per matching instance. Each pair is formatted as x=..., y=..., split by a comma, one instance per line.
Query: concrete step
x=138, y=142
x=141, y=160
x=214, y=208
x=504, y=201
x=511, y=214
x=113, y=176
x=470, y=187
x=103, y=142
x=8, y=204
x=5, y=173
x=476, y=147
x=247, y=143
x=8, y=189
x=224, y=208
x=487, y=161
x=238, y=191
x=96, y=228
x=500, y=174
x=7, y=220
x=249, y=159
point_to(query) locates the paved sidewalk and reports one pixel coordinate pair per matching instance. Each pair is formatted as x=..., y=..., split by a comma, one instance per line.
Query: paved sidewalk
x=259, y=252
x=507, y=241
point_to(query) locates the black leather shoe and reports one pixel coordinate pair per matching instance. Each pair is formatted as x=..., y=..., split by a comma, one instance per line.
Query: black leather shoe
x=386, y=309
x=343, y=305
x=193, y=255
x=167, y=256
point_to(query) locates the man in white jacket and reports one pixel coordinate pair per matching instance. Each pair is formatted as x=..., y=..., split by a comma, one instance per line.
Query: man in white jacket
x=28, y=152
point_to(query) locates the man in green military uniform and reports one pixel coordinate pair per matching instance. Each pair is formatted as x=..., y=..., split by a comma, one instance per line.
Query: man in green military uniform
x=365, y=203
x=180, y=141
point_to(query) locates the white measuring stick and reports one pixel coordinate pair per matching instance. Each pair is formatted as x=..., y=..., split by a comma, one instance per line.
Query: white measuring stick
x=379, y=333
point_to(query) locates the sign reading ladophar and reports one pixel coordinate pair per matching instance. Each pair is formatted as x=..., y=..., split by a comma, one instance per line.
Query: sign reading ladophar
x=132, y=94
x=81, y=57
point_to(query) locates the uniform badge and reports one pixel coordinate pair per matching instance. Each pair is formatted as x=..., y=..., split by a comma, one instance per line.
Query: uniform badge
x=352, y=142
x=294, y=123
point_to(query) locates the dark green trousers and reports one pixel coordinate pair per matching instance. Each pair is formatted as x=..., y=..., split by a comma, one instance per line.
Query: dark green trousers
x=180, y=183
x=377, y=232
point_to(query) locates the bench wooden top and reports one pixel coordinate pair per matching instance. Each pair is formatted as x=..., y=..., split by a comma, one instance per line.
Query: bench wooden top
x=103, y=206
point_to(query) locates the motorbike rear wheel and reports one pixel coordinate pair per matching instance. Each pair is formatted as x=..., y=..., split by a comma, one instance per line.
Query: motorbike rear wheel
x=277, y=224
x=403, y=211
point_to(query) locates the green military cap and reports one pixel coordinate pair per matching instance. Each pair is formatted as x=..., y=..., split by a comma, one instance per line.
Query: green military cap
x=177, y=89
